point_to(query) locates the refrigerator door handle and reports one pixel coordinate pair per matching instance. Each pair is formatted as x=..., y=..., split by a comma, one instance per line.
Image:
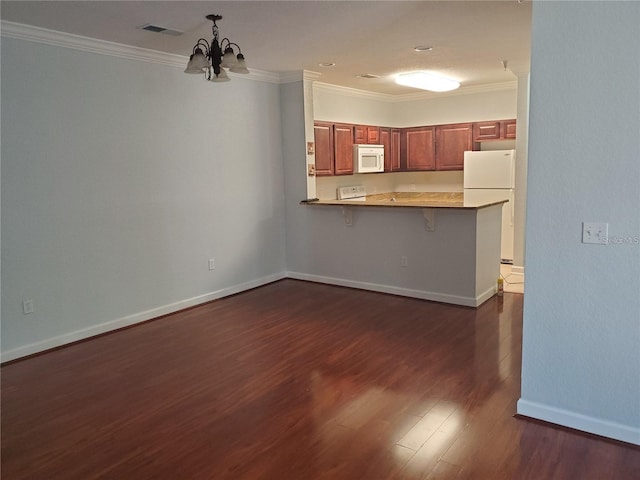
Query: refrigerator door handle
x=512, y=199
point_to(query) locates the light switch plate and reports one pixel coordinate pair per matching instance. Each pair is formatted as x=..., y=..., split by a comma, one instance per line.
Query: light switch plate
x=595, y=232
x=27, y=306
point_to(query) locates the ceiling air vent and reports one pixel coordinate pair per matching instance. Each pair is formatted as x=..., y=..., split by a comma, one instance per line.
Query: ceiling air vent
x=367, y=75
x=156, y=29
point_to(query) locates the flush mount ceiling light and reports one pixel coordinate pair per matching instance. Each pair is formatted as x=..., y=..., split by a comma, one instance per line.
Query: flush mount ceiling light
x=427, y=81
x=212, y=61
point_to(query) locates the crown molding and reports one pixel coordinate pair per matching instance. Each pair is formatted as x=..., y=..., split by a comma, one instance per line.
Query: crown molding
x=77, y=42
x=86, y=44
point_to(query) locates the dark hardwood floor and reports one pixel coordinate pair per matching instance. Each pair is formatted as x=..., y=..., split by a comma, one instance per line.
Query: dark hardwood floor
x=294, y=380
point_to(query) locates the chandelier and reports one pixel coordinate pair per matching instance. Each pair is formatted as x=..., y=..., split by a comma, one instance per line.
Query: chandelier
x=208, y=58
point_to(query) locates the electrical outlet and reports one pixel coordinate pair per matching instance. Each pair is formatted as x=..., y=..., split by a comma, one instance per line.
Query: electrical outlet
x=27, y=306
x=595, y=232
x=403, y=261
x=212, y=264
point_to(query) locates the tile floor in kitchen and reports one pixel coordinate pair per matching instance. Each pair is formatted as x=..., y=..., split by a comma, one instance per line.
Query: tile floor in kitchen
x=513, y=282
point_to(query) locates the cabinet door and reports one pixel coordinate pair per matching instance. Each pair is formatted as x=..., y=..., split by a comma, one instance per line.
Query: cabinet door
x=419, y=148
x=373, y=135
x=451, y=143
x=366, y=134
x=508, y=129
x=390, y=138
x=323, y=133
x=395, y=149
x=359, y=134
x=385, y=140
x=486, y=131
x=343, y=151
x=494, y=130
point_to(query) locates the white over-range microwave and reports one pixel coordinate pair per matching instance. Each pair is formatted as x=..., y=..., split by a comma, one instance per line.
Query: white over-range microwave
x=368, y=158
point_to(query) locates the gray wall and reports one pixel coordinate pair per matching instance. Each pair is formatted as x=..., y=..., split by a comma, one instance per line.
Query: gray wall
x=581, y=352
x=120, y=179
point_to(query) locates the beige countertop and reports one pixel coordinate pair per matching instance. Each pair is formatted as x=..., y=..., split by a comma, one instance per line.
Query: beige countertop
x=416, y=200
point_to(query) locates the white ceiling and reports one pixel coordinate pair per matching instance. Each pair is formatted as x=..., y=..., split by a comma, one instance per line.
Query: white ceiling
x=470, y=39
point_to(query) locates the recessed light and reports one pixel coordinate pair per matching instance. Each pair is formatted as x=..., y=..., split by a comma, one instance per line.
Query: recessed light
x=367, y=75
x=427, y=81
x=422, y=48
x=327, y=64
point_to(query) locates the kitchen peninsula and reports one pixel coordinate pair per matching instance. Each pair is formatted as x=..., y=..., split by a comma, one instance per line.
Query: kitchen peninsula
x=415, y=200
x=434, y=245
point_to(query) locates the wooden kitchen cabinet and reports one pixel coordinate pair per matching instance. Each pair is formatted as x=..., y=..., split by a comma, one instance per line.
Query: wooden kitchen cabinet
x=334, y=148
x=324, y=156
x=373, y=135
x=390, y=138
x=418, y=148
x=451, y=143
x=494, y=130
x=508, y=129
x=395, y=150
x=366, y=134
x=385, y=141
x=433, y=147
x=343, y=149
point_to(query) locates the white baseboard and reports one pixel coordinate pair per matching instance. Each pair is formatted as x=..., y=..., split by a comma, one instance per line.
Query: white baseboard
x=129, y=320
x=517, y=270
x=111, y=325
x=484, y=296
x=405, y=292
x=578, y=421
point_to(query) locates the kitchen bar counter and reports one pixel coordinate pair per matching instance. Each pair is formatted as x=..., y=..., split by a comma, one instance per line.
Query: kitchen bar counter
x=415, y=200
x=442, y=246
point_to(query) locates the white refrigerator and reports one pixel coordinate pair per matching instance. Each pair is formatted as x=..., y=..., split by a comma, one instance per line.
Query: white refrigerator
x=490, y=175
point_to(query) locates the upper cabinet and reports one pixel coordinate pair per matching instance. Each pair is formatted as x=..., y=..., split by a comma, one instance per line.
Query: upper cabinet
x=433, y=147
x=418, y=148
x=451, y=143
x=494, y=130
x=390, y=139
x=439, y=147
x=334, y=149
x=324, y=156
x=343, y=149
x=366, y=134
x=509, y=129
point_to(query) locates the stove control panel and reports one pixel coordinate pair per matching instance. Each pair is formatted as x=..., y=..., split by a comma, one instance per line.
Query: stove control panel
x=348, y=193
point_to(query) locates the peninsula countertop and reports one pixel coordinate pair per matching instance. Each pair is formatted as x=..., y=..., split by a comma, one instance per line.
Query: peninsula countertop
x=418, y=200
